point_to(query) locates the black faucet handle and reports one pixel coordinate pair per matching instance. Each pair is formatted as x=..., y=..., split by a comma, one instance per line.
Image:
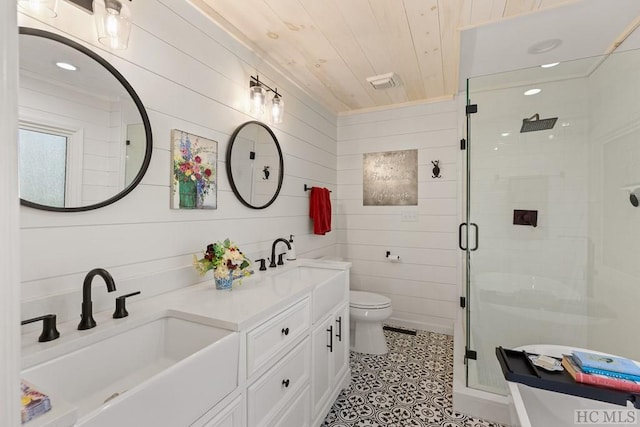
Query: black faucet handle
x=262, y=262
x=280, y=259
x=121, y=309
x=49, y=330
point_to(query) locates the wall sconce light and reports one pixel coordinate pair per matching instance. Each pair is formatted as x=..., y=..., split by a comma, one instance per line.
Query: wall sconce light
x=258, y=99
x=45, y=8
x=113, y=23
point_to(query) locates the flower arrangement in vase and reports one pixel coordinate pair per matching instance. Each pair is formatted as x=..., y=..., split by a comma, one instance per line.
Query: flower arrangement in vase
x=193, y=174
x=226, y=261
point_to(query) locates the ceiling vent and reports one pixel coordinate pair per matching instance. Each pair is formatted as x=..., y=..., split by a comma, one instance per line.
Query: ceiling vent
x=384, y=81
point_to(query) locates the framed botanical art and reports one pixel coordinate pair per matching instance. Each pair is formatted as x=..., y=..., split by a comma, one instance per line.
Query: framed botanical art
x=194, y=180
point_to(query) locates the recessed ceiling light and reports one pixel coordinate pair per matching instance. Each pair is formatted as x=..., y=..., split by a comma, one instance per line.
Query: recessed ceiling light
x=505, y=134
x=544, y=46
x=565, y=124
x=553, y=64
x=66, y=66
x=533, y=92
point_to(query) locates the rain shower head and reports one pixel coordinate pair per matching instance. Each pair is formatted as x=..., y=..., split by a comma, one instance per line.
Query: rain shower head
x=534, y=123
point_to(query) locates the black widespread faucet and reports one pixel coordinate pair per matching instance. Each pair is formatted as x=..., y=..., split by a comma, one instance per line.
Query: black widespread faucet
x=86, y=318
x=273, y=250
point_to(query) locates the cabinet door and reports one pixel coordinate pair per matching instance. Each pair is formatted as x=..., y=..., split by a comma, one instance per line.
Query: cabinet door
x=322, y=342
x=340, y=344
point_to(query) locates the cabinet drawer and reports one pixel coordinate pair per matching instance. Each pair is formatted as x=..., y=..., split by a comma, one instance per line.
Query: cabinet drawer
x=297, y=414
x=264, y=341
x=281, y=384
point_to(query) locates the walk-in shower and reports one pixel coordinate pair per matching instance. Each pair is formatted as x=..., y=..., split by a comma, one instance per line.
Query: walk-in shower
x=573, y=279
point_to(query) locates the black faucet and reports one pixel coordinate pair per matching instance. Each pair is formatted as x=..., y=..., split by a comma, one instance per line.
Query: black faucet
x=86, y=318
x=273, y=250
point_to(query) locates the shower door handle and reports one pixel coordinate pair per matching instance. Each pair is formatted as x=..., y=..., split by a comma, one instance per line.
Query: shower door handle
x=475, y=226
x=463, y=224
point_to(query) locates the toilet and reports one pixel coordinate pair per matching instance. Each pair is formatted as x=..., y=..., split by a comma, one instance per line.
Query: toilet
x=367, y=311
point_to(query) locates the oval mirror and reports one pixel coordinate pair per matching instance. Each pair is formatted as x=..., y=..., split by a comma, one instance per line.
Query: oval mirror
x=84, y=135
x=254, y=165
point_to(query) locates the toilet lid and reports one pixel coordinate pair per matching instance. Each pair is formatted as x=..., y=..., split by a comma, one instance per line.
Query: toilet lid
x=358, y=299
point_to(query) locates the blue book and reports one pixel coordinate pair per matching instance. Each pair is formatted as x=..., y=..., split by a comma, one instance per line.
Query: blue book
x=612, y=366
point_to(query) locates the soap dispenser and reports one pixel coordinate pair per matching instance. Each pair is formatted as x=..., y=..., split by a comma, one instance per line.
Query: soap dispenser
x=291, y=253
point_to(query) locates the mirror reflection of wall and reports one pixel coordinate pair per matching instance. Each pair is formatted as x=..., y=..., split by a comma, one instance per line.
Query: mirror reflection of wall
x=242, y=165
x=266, y=155
x=86, y=105
x=135, y=146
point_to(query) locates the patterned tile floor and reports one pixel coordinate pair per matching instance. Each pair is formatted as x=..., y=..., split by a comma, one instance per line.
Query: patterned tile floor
x=410, y=386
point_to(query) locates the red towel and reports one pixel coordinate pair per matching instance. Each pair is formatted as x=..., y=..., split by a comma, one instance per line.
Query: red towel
x=320, y=210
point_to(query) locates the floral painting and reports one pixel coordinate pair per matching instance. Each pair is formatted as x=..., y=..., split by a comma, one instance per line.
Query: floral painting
x=194, y=182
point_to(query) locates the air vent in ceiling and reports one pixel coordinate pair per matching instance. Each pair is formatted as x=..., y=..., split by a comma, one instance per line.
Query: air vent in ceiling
x=384, y=81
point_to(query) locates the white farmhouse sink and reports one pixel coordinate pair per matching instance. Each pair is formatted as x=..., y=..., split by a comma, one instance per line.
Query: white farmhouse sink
x=163, y=372
x=328, y=286
x=308, y=274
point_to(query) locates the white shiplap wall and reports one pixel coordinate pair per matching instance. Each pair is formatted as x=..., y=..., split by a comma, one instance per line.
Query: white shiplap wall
x=423, y=286
x=191, y=76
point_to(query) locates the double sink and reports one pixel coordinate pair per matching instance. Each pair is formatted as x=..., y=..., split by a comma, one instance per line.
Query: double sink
x=172, y=359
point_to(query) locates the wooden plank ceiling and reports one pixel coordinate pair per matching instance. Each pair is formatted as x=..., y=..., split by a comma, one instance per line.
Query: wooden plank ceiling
x=330, y=47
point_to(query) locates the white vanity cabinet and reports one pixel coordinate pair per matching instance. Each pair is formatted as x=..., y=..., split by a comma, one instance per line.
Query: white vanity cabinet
x=330, y=348
x=274, y=353
x=341, y=344
x=278, y=354
x=296, y=358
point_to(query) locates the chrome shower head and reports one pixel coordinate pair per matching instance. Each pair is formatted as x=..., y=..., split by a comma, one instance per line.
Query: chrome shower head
x=534, y=123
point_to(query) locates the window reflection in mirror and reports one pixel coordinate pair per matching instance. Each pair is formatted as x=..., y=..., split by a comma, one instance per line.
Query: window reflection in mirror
x=43, y=157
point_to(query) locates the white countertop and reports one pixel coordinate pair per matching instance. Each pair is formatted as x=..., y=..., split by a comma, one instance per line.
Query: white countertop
x=255, y=297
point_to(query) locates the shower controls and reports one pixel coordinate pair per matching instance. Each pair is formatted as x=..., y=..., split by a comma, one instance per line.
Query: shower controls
x=524, y=217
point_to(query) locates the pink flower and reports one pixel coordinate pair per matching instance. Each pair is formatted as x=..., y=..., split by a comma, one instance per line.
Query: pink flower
x=207, y=172
x=197, y=159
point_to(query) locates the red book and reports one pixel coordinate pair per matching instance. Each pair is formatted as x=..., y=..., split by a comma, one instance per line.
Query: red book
x=601, y=380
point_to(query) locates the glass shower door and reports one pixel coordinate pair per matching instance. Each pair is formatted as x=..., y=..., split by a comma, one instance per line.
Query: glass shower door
x=527, y=191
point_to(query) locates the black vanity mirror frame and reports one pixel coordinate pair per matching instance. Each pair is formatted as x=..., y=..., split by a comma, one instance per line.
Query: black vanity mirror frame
x=136, y=100
x=230, y=173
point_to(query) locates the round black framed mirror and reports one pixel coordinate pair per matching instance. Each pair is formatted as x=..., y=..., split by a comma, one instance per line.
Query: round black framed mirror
x=84, y=136
x=255, y=166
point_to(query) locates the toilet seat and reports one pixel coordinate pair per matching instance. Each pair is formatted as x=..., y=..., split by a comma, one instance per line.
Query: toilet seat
x=368, y=300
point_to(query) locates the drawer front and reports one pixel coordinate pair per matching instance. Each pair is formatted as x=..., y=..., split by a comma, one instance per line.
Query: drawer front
x=297, y=414
x=264, y=341
x=281, y=384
